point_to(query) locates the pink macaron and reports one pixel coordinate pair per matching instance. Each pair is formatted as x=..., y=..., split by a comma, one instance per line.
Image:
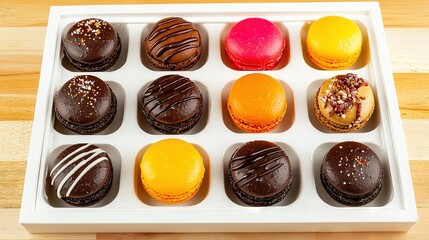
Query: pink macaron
x=254, y=44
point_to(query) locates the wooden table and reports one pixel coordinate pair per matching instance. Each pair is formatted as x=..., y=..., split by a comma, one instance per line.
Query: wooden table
x=22, y=32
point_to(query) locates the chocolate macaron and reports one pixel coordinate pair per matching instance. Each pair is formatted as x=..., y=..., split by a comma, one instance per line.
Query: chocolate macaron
x=173, y=44
x=85, y=104
x=172, y=104
x=82, y=175
x=260, y=173
x=351, y=173
x=92, y=45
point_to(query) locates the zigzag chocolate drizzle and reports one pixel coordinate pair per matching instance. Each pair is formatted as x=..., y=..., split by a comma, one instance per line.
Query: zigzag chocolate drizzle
x=160, y=98
x=165, y=42
x=271, y=155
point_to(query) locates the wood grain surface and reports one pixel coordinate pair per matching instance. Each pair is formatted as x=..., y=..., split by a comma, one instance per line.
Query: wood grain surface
x=22, y=31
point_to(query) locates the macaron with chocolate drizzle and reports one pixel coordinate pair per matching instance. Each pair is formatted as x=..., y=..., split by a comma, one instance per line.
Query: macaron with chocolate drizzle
x=172, y=104
x=92, y=45
x=344, y=103
x=81, y=175
x=351, y=173
x=85, y=104
x=260, y=173
x=173, y=44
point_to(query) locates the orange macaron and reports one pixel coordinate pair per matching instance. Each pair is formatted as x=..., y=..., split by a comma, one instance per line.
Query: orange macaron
x=257, y=103
x=172, y=170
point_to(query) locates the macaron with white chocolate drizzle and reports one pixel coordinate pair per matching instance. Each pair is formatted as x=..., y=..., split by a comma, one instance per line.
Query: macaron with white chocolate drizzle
x=82, y=174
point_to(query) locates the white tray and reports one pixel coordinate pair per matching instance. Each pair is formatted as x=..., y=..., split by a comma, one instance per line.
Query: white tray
x=307, y=207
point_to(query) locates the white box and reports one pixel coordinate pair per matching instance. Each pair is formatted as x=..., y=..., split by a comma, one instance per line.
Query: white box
x=306, y=208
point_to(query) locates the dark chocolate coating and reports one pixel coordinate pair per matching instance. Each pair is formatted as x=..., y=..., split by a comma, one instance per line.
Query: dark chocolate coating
x=92, y=45
x=352, y=173
x=173, y=44
x=85, y=104
x=260, y=173
x=172, y=104
x=91, y=174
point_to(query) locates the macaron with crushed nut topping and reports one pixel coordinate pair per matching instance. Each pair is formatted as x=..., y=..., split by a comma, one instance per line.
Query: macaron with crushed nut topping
x=344, y=103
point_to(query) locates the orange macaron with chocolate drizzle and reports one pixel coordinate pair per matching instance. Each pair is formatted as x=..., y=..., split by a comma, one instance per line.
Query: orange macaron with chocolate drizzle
x=344, y=103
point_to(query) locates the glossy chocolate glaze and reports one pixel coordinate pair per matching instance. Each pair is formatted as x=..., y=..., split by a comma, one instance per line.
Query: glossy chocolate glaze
x=171, y=99
x=91, y=41
x=173, y=40
x=260, y=169
x=352, y=168
x=80, y=171
x=83, y=100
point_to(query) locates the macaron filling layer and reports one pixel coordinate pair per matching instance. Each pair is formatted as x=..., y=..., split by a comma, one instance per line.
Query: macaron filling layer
x=332, y=63
x=170, y=198
x=256, y=126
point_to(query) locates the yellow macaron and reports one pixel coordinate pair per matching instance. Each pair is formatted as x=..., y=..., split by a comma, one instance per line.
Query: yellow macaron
x=172, y=170
x=334, y=42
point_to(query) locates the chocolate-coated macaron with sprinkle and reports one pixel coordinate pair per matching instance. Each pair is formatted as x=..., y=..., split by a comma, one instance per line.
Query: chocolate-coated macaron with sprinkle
x=81, y=175
x=172, y=104
x=352, y=174
x=260, y=173
x=85, y=104
x=173, y=44
x=92, y=45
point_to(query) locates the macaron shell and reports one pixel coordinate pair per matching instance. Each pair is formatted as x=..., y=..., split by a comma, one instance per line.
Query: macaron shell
x=257, y=102
x=334, y=42
x=166, y=198
x=172, y=170
x=331, y=63
x=254, y=44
